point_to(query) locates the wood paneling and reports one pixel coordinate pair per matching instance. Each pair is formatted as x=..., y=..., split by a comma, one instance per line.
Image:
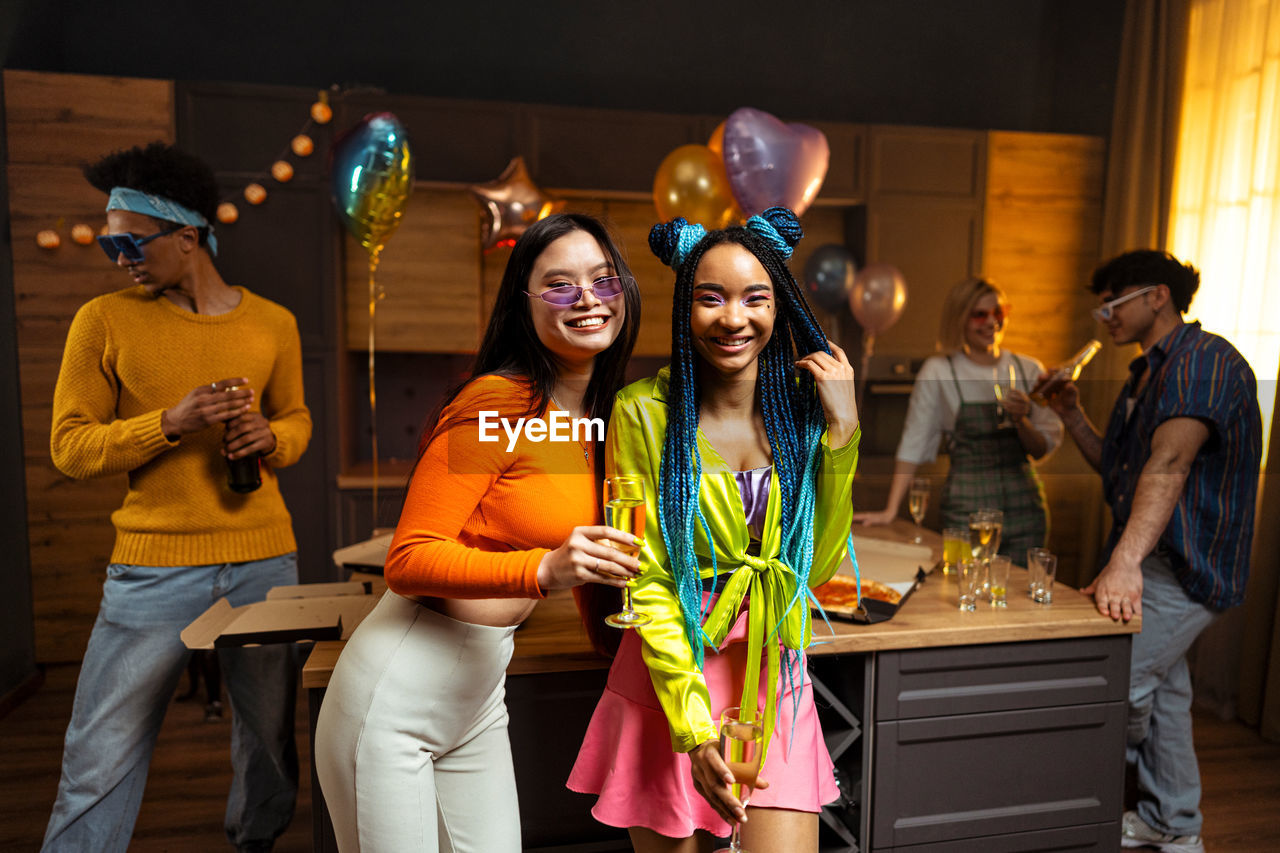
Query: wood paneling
x=55, y=123
x=430, y=273
x=925, y=161
x=1041, y=237
x=76, y=118
x=934, y=244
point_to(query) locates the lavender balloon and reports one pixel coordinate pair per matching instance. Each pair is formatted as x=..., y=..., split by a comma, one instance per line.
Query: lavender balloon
x=771, y=163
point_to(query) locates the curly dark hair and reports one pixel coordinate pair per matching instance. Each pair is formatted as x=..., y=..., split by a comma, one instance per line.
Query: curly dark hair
x=160, y=169
x=1148, y=266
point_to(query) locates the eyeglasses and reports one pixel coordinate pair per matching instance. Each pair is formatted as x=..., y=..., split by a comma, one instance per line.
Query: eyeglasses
x=128, y=245
x=1000, y=312
x=603, y=288
x=1104, y=312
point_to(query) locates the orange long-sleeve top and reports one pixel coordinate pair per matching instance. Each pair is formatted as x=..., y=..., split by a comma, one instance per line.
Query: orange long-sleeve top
x=478, y=517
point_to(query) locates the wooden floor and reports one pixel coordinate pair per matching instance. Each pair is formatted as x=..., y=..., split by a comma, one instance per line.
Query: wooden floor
x=186, y=790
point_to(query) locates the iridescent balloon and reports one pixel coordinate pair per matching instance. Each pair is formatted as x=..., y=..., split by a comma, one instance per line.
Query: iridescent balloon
x=771, y=163
x=828, y=275
x=371, y=175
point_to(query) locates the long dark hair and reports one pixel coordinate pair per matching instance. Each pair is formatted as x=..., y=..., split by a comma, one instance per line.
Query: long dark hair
x=511, y=346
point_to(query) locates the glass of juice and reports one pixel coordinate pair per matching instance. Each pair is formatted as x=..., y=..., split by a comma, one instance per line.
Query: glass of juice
x=955, y=547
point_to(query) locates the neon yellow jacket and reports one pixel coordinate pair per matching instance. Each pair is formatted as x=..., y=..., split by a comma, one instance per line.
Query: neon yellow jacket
x=636, y=433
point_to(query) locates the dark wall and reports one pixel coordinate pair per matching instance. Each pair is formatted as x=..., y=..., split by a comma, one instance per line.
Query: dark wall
x=1041, y=65
x=17, y=632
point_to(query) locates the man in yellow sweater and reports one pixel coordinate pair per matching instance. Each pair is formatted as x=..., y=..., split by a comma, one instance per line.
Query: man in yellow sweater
x=168, y=380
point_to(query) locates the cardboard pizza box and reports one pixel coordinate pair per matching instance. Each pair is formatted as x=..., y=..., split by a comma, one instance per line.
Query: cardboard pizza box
x=323, y=611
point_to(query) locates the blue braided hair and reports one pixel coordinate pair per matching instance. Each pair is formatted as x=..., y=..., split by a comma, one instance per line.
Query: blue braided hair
x=793, y=416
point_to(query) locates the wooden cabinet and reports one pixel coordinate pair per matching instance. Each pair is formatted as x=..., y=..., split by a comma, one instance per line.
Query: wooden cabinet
x=1011, y=746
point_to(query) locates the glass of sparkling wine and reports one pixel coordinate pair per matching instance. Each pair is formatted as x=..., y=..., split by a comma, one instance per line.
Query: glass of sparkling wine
x=1001, y=391
x=918, y=502
x=741, y=742
x=624, y=510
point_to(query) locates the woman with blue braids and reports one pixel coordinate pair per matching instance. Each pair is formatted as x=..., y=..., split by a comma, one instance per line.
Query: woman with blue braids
x=749, y=473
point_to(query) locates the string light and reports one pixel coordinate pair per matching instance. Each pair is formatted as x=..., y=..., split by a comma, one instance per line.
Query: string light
x=300, y=145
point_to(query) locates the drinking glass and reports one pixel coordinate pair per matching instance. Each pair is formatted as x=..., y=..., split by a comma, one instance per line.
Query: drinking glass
x=981, y=529
x=1035, y=571
x=741, y=742
x=955, y=547
x=1004, y=422
x=967, y=572
x=999, y=577
x=624, y=510
x=1044, y=592
x=918, y=502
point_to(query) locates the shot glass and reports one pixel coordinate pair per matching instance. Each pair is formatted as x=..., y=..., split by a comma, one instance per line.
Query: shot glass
x=1035, y=571
x=968, y=572
x=955, y=547
x=999, y=578
x=1049, y=567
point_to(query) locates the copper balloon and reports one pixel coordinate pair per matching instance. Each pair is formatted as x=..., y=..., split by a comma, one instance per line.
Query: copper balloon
x=513, y=202
x=691, y=182
x=878, y=296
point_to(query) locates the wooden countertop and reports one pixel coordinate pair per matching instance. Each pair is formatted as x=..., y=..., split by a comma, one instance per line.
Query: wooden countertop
x=553, y=639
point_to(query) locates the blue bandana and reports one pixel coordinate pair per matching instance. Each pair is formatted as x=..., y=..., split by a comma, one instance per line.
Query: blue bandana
x=136, y=201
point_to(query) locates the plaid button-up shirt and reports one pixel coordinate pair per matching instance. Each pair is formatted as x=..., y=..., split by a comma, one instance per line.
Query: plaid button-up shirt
x=1193, y=374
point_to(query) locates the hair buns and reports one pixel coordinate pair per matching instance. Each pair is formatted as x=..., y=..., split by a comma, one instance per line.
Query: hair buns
x=665, y=237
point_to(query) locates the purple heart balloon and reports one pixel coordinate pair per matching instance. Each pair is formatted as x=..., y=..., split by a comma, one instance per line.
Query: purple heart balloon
x=771, y=163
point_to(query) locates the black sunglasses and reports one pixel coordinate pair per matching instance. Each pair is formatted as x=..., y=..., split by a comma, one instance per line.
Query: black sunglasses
x=128, y=245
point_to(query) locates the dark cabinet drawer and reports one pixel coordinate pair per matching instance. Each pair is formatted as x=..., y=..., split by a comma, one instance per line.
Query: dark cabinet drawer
x=1073, y=839
x=1001, y=677
x=974, y=775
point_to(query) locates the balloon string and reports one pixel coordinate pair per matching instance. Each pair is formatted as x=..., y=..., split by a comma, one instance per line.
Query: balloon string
x=868, y=347
x=373, y=393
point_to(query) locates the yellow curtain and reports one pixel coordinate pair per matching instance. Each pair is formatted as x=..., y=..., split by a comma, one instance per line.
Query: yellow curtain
x=1226, y=190
x=1226, y=219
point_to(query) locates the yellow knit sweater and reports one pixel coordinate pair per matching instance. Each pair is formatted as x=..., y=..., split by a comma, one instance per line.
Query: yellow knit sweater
x=130, y=356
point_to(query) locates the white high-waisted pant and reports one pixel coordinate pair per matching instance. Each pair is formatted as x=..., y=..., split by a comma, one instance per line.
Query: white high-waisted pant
x=411, y=743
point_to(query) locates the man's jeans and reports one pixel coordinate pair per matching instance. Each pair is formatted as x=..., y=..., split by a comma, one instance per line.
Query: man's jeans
x=1160, y=702
x=130, y=672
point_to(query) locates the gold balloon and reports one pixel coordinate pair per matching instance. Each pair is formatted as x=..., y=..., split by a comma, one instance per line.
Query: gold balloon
x=513, y=202
x=716, y=142
x=691, y=182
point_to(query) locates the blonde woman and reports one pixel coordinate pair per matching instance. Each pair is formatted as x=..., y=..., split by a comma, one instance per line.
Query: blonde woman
x=954, y=397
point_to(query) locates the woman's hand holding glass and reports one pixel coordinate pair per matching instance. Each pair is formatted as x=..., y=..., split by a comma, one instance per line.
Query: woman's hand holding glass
x=714, y=781
x=834, y=377
x=585, y=558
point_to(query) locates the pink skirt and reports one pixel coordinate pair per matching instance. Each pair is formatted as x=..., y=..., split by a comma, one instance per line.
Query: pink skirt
x=626, y=757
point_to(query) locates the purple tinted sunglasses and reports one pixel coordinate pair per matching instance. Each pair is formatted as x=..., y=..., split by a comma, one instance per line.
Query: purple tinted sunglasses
x=603, y=288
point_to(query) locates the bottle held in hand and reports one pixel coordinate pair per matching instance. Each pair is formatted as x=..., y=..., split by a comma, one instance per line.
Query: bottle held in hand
x=244, y=475
x=1048, y=387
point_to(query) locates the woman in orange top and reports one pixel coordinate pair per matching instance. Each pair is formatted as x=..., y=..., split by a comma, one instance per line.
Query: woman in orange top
x=411, y=743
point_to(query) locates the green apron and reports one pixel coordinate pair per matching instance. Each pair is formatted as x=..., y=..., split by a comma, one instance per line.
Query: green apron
x=990, y=469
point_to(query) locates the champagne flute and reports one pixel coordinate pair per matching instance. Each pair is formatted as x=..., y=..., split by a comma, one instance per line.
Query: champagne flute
x=918, y=502
x=1005, y=422
x=624, y=510
x=741, y=746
